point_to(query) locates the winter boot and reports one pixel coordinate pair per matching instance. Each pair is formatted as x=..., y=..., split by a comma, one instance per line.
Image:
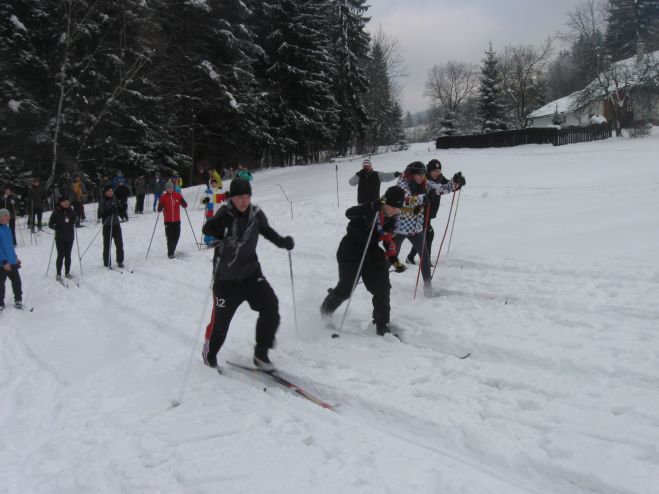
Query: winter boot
x=58, y=277
x=429, y=291
x=382, y=328
x=410, y=260
x=2, y=307
x=261, y=360
x=209, y=360
x=68, y=276
x=330, y=304
x=18, y=304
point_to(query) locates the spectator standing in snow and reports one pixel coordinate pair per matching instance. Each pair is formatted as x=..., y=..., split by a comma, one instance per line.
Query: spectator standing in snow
x=8, y=202
x=78, y=195
x=121, y=193
x=368, y=182
x=170, y=203
x=108, y=212
x=157, y=188
x=62, y=220
x=375, y=269
x=434, y=174
x=139, y=187
x=35, y=197
x=9, y=262
x=244, y=173
x=238, y=275
x=177, y=181
x=410, y=223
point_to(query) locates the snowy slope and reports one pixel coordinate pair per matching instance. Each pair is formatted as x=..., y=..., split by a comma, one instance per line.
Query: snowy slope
x=552, y=283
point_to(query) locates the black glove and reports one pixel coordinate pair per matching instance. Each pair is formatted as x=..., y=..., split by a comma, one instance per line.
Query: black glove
x=397, y=174
x=418, y=209
x=205, y=200
x=288, y=243
x=459, y=179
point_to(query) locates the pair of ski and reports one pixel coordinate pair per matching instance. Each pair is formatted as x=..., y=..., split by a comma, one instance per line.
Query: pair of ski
x=283, y=382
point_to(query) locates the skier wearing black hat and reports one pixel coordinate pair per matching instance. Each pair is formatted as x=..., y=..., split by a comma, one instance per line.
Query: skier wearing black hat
x=380, y=216
x=108, y=212
x=411, y=222
x=63, y=220
x=368, y=182
x=238, y=275
x=434, y=174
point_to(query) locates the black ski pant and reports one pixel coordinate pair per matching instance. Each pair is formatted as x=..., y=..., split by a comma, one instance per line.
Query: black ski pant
x=227, y=297
x=375, y=274
x=139, y=204
x=38, y=212
x=112, y=233
x=123, y=209
x=12, y=227
x=430, y=236
x=173, y=233
x=64, y=248
x=417, y=243
x=79, y=209
x=15, y=283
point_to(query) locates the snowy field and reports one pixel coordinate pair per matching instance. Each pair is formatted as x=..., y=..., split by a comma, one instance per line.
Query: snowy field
x=552, y=283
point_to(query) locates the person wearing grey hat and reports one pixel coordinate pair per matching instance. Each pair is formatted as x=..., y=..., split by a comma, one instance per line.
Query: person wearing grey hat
x=9, y=262
x=368, y=182
x=369, y=224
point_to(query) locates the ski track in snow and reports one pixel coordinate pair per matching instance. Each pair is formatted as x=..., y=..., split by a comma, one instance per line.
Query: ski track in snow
x=551, y=286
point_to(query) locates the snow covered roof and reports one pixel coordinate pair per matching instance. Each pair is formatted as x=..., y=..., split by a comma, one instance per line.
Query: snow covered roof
x=562, y=105
x=567, y=103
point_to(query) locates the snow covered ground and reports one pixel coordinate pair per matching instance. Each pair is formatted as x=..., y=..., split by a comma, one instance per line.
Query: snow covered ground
x=552, y=283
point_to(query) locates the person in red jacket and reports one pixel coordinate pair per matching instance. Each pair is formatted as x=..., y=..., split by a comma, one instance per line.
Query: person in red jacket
x=170, y=204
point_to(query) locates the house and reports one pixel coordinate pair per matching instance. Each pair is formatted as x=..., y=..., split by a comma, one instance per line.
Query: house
x=632, y=85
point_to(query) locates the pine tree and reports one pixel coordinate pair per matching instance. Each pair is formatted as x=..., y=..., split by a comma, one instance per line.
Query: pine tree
x=350, y=47
x=448, y=127
x=631, y=22
x=490, y=108
x=379, y=101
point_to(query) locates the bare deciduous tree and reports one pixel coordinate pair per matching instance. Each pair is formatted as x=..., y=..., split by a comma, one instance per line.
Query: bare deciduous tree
x=450, y=84
x=522, y=68
x=396, y=69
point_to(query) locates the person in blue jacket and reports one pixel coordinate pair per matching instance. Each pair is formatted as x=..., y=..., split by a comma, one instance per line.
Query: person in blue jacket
x=9, y=263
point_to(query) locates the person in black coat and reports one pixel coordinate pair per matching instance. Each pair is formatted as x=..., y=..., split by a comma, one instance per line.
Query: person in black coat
x=63, y=220
x=35, y=197
x=434, y=174
x=108, y=212
x=368, y=182
x=375, y=269
x=238, y=275
x=121, y=195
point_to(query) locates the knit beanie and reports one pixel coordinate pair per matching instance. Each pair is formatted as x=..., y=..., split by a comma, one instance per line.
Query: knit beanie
x=240, y=187
x=434, y=165
x=394, y=197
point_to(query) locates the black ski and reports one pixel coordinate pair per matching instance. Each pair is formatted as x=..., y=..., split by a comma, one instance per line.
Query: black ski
x=284, y=383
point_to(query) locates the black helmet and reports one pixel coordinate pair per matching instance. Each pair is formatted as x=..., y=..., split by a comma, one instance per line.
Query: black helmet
x=416, y=168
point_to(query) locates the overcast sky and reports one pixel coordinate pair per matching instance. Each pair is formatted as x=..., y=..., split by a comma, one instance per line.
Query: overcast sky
x=432, y=32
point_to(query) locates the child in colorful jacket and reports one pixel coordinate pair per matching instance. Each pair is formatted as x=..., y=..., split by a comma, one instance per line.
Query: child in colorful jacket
x=213, y=199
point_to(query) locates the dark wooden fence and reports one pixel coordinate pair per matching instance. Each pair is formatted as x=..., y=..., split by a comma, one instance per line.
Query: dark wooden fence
x=531, y=135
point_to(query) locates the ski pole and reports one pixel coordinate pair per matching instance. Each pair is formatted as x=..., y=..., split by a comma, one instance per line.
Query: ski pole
x=154, y=232
x=359, y=270
x=423, y=249
x=200, y=324
x=75, y=230
x=457, y=203
x=443, y=237
x=93, y=239
x=50, y=257
x=193, y=233
x=290, y=265
x=336, y=167
x=289, y=201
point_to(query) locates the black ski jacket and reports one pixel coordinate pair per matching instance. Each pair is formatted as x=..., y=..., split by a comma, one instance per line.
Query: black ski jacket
x=434, y=199
x=239, y=235
x=63, y=222
x=361, y=217
x=108, y=211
